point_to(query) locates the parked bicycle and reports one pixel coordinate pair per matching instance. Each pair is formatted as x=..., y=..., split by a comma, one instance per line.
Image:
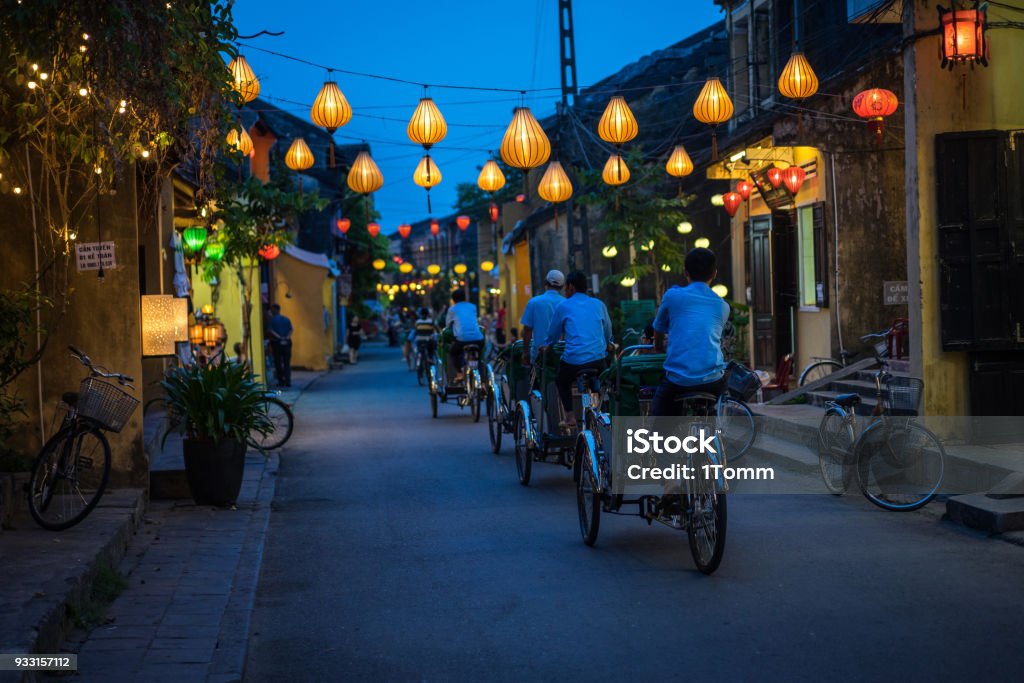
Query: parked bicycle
x=898, y=464
x=71, y=471
x=282, y=419
x=881, y=343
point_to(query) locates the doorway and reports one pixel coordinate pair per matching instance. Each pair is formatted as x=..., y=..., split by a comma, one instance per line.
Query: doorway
x=773, y=284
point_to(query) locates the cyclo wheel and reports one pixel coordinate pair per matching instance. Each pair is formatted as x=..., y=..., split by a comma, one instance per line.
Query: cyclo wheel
x=421, y=369
x=69, y=477
x=473, y=394
x=494, y=420
x=900, y=464
x=739, y=429
x=835, y=451
x=819, y=370
x=283, y=421
x=708, y=519
x=433, y=404
x=588, y=500
x=524, y=456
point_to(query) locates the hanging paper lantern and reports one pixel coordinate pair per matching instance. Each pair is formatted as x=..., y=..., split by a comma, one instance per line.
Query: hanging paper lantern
x=193, y=239
x=427, y=127
x=491, y=178
x=269, y=252
x=617, y=124
x=525, y=144
x=702, y=243
x=874, y=105
x=463, y=222
x=520, y=198
x=243, y=80
x=962, y=36
x=405, y=268
x=299, y=156
x=404, y=230
x=744, y=188
x=427, y=175
x=460, y=268
x=487, y=266
x=492, y=211
x=615, y=171
x=330, y=109
x=554, y=185
x=720, y=290
x=684, y=228
x=214, y=250
x=666, y=268
x=679, y=164
x=732, y=201
x=364, y=176
x=373, y=228
x=611, y=251
x=716, y=200
x=627, y=281
x=775, y=176
x=798, y=81
x=206, y=309
x=794, y=178
x=435, y=227
x=379, y=264
x=713, y=107
x=343, y=225
x=239, y=140
x=433, y=269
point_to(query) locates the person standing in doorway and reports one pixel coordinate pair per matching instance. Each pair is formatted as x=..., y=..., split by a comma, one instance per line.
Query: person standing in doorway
x=281, y=329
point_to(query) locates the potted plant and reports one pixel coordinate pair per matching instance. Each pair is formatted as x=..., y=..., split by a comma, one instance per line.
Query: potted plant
x=215, y=406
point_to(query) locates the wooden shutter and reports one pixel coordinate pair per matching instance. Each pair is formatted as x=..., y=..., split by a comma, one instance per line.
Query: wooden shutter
x=820, y=256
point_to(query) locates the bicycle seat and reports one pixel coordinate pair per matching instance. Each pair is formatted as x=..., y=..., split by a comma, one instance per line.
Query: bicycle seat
x=847, y=400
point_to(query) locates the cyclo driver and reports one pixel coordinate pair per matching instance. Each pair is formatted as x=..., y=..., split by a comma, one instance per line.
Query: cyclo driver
x=463, y=321
x=424, y=333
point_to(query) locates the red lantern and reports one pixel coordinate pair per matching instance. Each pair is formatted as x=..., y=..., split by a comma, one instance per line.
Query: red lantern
x=794, y=178
x=373, y=228
x=744, y=188
x=775, y=176
x=435, y=227
x=404, y=230
x=462, y=222
x=732, y=201
x=520, y=198
x=493, y=211
x=874, y=105
x=269, y=252
x=344, y=224
x=963, y=36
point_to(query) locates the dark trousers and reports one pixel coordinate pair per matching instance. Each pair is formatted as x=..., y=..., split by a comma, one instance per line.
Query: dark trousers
x=282, y=362
x=456, y=360
x=566, y=377
x=664, y=398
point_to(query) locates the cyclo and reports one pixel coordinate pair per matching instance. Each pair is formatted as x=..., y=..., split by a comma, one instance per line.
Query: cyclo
x=469, y=389
x=539, y=414
x=699, y=507
x=508, y=383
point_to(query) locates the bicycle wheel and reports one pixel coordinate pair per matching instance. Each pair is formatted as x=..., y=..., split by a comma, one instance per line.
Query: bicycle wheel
x=473, y=394
x=588, y=500
x=835, y=448
x=283, y=422
x=433, y=405
x=524, y=456
x=900, y=464
x=421, y=369
x=69, y=477
x=494, y=420
x=739, y=429
x=819, y=370
x=708, y=517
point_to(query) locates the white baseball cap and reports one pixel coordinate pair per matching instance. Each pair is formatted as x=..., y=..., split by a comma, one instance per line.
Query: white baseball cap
x=555, y=278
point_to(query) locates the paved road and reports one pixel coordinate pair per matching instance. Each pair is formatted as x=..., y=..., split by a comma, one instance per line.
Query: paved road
x=401, y=549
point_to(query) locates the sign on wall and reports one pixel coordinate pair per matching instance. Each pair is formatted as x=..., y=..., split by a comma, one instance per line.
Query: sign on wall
x=92, y=255
x=895, y=293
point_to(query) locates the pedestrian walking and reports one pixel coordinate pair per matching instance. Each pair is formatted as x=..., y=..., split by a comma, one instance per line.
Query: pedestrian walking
x=281, y=329
x=355, y=340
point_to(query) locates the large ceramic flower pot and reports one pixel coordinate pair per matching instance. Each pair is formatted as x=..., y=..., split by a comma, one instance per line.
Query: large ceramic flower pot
x=214, y=472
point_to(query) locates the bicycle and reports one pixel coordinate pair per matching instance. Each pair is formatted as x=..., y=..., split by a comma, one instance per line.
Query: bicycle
x=424, y=359
x=899, y=464
x=282, y=419
x=72, y=469
x=819, y=368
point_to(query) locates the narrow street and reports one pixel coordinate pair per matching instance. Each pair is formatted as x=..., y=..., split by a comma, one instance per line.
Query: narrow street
x=400, y=548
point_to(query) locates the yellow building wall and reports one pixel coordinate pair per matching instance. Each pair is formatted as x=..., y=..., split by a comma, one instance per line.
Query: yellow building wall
x=304, y=292
x=943, y=101
x=227, y=300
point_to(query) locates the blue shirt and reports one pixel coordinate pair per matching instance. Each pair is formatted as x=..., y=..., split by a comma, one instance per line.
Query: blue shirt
x=584, y=322
x=537, y=316
x=466, y=328
x=281, y=326
x=693, y=318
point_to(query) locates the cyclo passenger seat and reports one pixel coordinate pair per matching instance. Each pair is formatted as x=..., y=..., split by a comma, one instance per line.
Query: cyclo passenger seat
x=847, y=400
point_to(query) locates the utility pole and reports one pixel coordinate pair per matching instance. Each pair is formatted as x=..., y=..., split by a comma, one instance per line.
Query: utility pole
x=567, y=71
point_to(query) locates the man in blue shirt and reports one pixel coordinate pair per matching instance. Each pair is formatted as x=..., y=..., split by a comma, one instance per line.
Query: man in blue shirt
x=463, y=321
x=584, y=323
x=692, y=318
x=280, y=329
x=539, y=312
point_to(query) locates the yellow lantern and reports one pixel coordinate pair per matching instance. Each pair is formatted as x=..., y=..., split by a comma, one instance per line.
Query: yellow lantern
x=427, y=175
x=299, y=156
x=617, y=124
x=611, y=251
x=798, y=81
x=404, y=288
x=487, y=266
x=240, y=141
x=330, y=109
x=195, y=333
x=555, y=186
x=627, y=281
x=666, y=268
x=459, y=268
x=615, y=171
x=379, y=264
x=684, y=228
x=679, y=164
x=427, y=127
x=713, y=107
x=720, y=290
x=702, y=243
x=405, y=267
x=525, y=144
x=206, y=309
x=364, y=177
x=243, y=80
x=491, y=178
x=433, y=269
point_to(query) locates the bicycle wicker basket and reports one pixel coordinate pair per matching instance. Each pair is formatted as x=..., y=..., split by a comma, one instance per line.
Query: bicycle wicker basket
x=741, y=381
x=903, y=395
x=106, y=404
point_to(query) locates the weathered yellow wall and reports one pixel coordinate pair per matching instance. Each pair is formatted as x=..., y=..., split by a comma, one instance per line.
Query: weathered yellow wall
x=302, y=290
x=941, y=101
x=227, y=300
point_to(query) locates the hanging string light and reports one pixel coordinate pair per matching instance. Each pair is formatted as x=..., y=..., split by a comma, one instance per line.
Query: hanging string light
x=243, y=79
x=330, y=111
x=427, y=175
x=525, y=144
x=299, y=158
x=713, y=108
x=365, y=178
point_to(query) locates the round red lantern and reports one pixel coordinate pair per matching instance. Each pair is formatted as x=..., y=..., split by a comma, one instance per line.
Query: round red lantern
x=794, y=178
x=520, y=198
x=775, y=176
x=404, y=230
x=343, y=225
x=435, y=227
x=269, y=252
x=462, y=222
x=874, y=105
x=744, y=188
x=373, y=228
x=493, y=212
x=732, y=201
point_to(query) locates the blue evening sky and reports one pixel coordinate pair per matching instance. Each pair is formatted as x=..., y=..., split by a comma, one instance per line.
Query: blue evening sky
x=511, y=44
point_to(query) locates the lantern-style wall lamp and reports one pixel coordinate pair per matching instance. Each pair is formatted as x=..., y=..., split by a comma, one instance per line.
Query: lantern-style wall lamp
x=962, y=36
x=164, y=322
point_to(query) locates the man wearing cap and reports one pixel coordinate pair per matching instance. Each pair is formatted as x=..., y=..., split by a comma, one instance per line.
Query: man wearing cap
x=539, y=312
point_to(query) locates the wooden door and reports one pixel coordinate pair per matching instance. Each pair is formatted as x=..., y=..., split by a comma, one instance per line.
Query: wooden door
x=761, y=299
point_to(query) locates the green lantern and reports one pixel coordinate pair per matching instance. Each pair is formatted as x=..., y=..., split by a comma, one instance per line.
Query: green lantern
x=194, y=238
x=214, y=250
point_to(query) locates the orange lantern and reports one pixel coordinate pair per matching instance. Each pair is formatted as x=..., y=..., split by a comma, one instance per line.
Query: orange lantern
x=491, y=179
x=962, y=35
x=269, y=252
x=243, y=80
x=617, y=124
x=492, y=210
x=679, y=164
x=404, y=230
x=427, y=127
x=794, y=178
x=343, y=225
x=435, y=227
x=330, y=111
x=744, y=188
x=798, y=80
x=732, y=201
x=463, y=222
x=874, y=105
x=775, y=176
x=373, y=228
x=427, y=175
x=713, y=107
x=615, y=171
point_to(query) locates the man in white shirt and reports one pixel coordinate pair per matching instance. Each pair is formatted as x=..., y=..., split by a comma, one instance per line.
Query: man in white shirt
x=539, y=312
x=462, y=319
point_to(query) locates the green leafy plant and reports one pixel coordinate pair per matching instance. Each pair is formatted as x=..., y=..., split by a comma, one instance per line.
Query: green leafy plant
x=216, y=401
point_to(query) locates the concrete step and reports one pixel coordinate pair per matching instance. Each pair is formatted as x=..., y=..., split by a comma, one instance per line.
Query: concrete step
x=982, y=511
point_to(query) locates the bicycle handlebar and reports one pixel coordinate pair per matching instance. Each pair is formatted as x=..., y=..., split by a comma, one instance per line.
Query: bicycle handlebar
x=99, y=370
